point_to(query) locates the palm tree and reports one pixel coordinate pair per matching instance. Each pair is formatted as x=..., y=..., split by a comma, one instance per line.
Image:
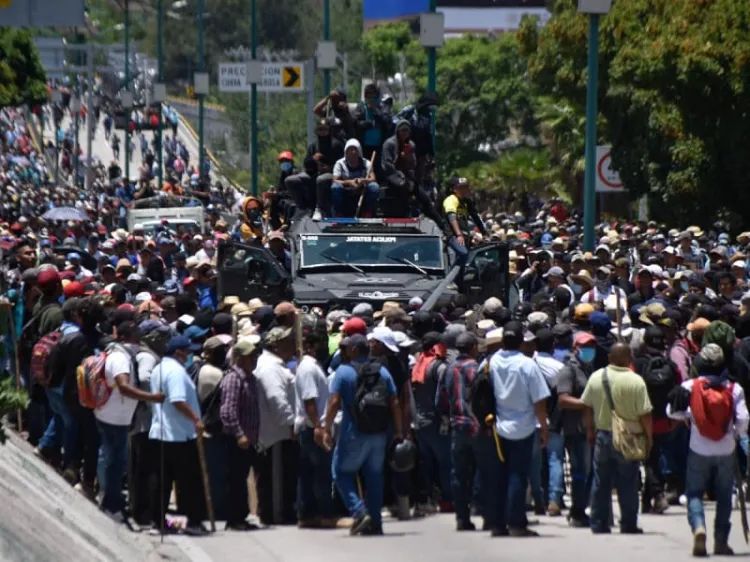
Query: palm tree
x=563, y=128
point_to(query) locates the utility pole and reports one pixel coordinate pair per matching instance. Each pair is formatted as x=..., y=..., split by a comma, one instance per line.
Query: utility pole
x=128, y=110
x=201, y=96
x=254, y=101
x=326, y=37
x=160, y=74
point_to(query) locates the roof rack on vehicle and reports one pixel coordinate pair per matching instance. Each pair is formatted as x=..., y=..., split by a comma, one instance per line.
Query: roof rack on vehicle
x=376, y=221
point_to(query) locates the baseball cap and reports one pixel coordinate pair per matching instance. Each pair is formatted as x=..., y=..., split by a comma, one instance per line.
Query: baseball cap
x=275, y=335
x=74, y=289
x=513, y=332
x=244, y=347
x=354, y=326
x=555, y=272
x=385, y=336
x=48, y=278
x=583, y=338
x=178, y=342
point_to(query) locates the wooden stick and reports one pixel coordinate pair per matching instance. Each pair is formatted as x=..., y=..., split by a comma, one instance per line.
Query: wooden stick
x=14, y=339
x=364, y=187
x=206, y=487
x=618, y=315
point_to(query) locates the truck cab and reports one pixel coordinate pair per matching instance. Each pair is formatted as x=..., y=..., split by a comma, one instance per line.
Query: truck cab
x=339, y=262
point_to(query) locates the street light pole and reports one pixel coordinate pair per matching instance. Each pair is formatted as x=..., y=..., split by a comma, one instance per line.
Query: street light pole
x=127, y=88
x=254, y=102
x=326, y=37
x=432, y=65
x=201, y=97
x=160, y=73
x=594, y=9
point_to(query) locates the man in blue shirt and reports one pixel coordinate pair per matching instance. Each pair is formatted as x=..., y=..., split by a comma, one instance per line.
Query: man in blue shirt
x=520, y=395
x=174, y=427
x=358, y=451
x=206, y=286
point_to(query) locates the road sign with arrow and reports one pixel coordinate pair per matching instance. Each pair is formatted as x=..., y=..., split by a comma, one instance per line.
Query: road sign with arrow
x=277, y=77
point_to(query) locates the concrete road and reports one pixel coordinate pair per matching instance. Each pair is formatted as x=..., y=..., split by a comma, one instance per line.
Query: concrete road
x=667, y=538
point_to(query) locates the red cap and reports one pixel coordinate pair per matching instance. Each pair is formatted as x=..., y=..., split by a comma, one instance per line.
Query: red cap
x=48, y=278
x=69, y=275
x=16, y=227
x=74, y=289
x=583, y=338
x=354, y=326
x=188, y=281
x=126, y=306
x=286, y=155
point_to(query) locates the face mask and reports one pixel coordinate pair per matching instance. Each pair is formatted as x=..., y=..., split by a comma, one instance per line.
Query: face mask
x=684, y=286
x=190, y=360
x=586, y=354
x=603, y=286
x=576, y=288
x=286, y=166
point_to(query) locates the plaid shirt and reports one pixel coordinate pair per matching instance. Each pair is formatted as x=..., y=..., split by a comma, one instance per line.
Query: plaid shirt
x=457, y=382
x=239, y=405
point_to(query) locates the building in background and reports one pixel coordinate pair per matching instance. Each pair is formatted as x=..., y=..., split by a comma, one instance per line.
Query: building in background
x=461, y=16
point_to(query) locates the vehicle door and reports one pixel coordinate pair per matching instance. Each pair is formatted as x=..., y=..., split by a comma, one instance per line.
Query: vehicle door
x=486, y=274
x=250, y=271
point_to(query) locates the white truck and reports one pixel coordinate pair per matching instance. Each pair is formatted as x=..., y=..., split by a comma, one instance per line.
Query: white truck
x=182, y=213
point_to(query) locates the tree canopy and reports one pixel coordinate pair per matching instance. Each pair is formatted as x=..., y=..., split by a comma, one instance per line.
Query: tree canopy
x=673, y=96
x=22, y=76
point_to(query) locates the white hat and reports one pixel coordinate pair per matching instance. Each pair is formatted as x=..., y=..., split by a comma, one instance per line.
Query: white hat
x=603, y=247
x=402, y=340
x=740, y=263
x=494, y=336
x=384, y=335
x=142, y=297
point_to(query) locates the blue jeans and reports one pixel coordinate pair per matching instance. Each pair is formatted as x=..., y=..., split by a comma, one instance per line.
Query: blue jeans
x=461, y=252
x=314, y=483
x=513, y=475
x=472, y=453
x=364, y=453
x=578, y=451
x=741, y=451
x=435, y=460
x=612, y=470
x=535, y=471
x=62, y=428
x=701, y=472
x=343, y=198
x=113, y=454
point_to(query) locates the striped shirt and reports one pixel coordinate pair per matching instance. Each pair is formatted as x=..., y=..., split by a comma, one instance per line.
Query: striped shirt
x=239, y=405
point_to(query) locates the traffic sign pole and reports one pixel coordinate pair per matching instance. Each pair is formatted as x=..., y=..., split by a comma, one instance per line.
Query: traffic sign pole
x=128, y=111
x=326, y=37
x=589, y=193
x=201, y=97
x=254, y=102
x=160, y=73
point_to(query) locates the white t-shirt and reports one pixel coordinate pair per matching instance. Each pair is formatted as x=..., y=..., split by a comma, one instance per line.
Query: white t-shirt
x=310, y=383
x=119, y=409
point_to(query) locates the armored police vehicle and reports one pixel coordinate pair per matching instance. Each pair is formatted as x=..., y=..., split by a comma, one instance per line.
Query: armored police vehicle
x=339, y=262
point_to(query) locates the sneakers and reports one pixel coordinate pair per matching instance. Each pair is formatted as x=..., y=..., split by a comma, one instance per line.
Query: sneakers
x=317, y=215
x=372, y=531
x=195, y=530
x=361, y=522
x=661, y=504
x=553, y=510
x=241, y=526
x=699, y=542
x=723, y=549
x=465, y=526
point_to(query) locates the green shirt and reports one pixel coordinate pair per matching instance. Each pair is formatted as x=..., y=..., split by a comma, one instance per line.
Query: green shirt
x=629, y=394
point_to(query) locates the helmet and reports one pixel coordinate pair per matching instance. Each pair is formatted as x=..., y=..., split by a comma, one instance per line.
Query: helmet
x=285, y=155
x=402, y=456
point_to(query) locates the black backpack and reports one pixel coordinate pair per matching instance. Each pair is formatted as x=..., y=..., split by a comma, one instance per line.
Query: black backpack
x=659, y=375
x=371, y=410
x=481, y=395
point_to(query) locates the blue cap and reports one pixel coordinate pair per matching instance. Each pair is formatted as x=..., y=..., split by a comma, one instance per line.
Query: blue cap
x=170, y=286
x=73, y=256
x=45, y=244
x=177, y=342
x=148, y=326
x=194, y=332
x=546, y=238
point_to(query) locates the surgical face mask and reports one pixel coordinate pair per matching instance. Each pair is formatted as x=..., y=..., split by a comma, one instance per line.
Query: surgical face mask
x=286, y=166
x=602, y=285
x=190, y=360
x=684, y=286
x=576, y=288
x=586, y=354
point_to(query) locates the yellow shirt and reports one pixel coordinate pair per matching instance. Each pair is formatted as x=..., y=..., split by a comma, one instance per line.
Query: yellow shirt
x=453, y=204
x=629, y=394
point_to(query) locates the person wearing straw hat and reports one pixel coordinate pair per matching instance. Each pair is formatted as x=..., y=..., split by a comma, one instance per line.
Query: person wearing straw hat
x=581, y=282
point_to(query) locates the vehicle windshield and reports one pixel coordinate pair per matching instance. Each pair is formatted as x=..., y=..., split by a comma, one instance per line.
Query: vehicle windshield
x=404, y=251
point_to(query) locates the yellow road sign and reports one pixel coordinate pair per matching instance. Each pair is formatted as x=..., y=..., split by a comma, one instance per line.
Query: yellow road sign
x=291, y=76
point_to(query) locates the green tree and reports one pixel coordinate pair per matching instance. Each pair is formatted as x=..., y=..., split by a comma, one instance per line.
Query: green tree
x=22, y=76
x=674, y=97
x=384, y=44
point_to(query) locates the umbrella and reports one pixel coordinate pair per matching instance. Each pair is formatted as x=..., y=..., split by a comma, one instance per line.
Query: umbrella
x=65, y=214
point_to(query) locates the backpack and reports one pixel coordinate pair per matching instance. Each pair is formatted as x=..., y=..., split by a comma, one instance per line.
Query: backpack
x=481, y=395
x=93, y=390
x=712, y=408
x=660, y=379
x=43, y=350
x=40, y=354
x=371, y=410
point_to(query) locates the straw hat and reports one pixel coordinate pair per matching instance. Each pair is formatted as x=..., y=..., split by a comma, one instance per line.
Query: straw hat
x=584, y=279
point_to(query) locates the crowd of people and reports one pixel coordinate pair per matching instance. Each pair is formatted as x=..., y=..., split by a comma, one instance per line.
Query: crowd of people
x=635, y=355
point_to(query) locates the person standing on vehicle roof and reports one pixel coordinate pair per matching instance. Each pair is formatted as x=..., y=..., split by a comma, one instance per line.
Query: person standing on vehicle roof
x=458, y=208
x=351, y=174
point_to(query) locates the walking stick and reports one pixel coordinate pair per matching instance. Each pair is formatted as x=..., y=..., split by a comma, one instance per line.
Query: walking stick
x=619, y=315
x=14, y=339
x=206, y=488
x=364, y=187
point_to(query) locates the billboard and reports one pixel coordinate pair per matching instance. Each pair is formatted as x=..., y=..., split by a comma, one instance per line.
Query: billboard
x=395, y=9
x=42, y=13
